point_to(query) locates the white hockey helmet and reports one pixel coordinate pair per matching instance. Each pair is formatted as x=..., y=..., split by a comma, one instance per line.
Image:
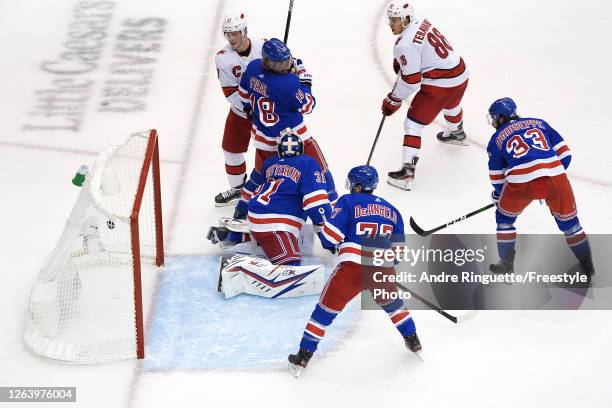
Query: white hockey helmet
x=401, y=9
x=234, y=22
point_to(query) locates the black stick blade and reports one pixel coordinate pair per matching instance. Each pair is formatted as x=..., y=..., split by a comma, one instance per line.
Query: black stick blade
x=416, y=228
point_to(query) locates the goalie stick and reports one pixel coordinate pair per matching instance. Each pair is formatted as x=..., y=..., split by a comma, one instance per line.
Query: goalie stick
x=425, y=233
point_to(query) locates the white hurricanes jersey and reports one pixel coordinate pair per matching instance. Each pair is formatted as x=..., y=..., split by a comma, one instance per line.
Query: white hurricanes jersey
x=426, y=57
x=230, y=66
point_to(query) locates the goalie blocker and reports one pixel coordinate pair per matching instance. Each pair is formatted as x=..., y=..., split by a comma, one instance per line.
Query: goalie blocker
x=259, y=277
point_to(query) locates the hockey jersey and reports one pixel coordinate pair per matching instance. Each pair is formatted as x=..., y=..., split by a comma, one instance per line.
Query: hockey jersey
x=426, y=57
x=525, y=149
x=290, y=190
x=230, y=67
x=361, y=218
x=277, y=101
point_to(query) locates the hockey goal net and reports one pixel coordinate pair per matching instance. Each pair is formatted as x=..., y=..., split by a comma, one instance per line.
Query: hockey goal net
x=86, y=305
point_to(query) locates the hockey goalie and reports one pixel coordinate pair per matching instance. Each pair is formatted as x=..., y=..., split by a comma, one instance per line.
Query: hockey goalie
x=291, y=190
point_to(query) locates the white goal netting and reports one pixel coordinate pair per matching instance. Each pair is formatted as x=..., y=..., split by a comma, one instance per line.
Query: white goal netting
x=84, y=305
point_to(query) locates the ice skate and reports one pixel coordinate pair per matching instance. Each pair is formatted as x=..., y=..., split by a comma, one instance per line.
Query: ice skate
x=456, y=137
x=228, y=197
x=404, y=177
x=505, y=265
x=299, y=361
x=413, y=343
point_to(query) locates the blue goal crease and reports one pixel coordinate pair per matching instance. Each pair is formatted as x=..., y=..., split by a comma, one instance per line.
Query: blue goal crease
x=195, y=328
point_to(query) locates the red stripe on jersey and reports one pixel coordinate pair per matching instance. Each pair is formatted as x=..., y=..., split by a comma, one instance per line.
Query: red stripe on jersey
x=497, y=177
x=412, y=78
x=412, y=141
x=562, y=150
x=531, y=169
x=315, y=330
x=243, y=94
x=446, y=73
x=275, y=220
x=263, y=140
x=400, y=316
x=351, y=250
x=235, y=170
x=308, y=106
x=332, y=233
x=301, y=130
x=313, y=199
x=228, y=90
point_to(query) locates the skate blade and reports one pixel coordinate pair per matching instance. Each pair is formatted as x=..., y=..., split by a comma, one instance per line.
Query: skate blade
x=401, y=184
x=227, y=204
x=417, y=354
x=295, y=370
x=455, y=142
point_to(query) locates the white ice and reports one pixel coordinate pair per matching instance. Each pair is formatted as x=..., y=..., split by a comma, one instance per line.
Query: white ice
x=551, y=56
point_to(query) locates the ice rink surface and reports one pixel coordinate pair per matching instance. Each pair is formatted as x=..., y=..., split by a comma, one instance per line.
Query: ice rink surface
x=60, y=108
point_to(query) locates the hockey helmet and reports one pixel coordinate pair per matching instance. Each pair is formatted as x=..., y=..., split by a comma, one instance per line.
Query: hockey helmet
x=502, y=107
x=234, y=22
x=366, y=176
x=276, y=56
x=289, y=145
x=400, y=9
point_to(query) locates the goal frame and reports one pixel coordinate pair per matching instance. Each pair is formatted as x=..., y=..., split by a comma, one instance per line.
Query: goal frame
x=150, y=163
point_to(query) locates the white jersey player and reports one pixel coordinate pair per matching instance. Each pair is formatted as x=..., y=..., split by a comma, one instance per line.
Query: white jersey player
x=231, y=62
x=425, y=62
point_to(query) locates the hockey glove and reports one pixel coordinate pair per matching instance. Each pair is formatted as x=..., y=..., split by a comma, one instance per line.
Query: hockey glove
x=495, y=197
x=300, y=70
x=390, y=105
x=396, y=66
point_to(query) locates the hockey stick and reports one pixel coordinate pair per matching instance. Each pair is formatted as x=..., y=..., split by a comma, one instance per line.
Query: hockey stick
x=382, y=122
x=428, y=303
x=425, y=233
x=288, y=21
x=380, y=126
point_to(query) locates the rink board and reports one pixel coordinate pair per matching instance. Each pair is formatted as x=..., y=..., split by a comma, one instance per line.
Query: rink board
x=194, y=328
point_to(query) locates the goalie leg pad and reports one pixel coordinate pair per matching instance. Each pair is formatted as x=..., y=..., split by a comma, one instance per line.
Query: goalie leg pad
x=259, y=277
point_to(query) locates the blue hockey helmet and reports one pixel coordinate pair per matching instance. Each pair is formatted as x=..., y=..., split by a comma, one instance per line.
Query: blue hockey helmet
x=276, y=56
x=366, y=176
x=275, y=50
x=289, y=145
x=501, y=107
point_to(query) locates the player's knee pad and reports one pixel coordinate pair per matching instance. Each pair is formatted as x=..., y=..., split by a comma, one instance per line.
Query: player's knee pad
x=323, y=315
x=233, y=159
x=413, y=128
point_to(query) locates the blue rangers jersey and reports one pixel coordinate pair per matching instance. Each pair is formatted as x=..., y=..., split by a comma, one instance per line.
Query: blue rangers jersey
x=290, y=190
x=277, y=102
x=525, y=149
x=357, y=217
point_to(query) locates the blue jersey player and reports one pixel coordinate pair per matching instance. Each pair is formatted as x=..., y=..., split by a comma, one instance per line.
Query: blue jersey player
x=276, y=92
x=356, y=216
x=291, y=189
x=527, y=161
